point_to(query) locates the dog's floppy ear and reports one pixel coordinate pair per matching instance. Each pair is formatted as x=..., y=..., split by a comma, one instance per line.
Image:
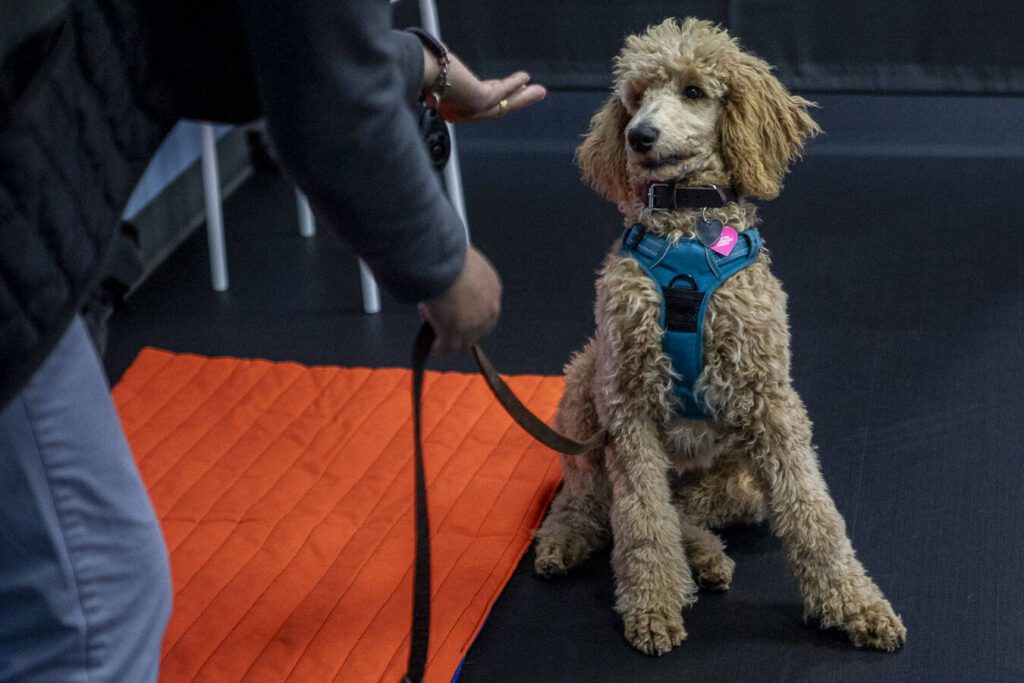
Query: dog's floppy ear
x=763, y=129
x=602, y=156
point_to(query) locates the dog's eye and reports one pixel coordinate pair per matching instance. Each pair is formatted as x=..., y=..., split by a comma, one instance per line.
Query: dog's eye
x=692, y=92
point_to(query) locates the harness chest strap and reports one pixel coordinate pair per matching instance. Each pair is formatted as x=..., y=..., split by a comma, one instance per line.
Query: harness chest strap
x=687, y=273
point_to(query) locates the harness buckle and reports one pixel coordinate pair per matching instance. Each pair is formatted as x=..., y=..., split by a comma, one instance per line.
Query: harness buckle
x=634, y=237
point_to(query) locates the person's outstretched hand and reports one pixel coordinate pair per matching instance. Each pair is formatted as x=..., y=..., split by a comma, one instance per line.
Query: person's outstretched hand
x=470, y=99
x=469, y=309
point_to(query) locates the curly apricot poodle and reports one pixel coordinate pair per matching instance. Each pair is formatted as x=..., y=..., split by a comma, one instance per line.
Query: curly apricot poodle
x=708, y=114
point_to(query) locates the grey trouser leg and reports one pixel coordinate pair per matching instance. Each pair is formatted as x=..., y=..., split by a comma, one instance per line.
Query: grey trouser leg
x=85, y=587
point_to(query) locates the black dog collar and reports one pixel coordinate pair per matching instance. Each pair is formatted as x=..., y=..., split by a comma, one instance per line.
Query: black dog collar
x=668, y=196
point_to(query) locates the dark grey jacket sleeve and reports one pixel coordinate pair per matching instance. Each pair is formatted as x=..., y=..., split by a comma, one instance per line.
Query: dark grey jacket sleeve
x=409, y=58
x=334, y=83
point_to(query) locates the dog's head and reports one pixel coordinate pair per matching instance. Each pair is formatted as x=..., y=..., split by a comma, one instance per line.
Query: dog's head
x=687, y=103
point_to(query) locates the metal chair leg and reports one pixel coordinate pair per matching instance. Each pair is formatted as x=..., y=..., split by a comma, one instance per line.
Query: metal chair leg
x=371, y=292
x=214, y=214
x=307, y=223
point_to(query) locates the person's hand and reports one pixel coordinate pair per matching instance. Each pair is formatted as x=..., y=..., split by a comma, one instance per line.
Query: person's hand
x=470, y=99
x=469, y=309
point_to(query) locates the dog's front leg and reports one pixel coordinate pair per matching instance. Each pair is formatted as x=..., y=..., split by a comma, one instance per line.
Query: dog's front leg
x=835, y=586
x=653, y=581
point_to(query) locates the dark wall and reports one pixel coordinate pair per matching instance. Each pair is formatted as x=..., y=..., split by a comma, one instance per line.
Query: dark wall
x=938, y=47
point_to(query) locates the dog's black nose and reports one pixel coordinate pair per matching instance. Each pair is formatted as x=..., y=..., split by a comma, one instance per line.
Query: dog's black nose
x=642, y=136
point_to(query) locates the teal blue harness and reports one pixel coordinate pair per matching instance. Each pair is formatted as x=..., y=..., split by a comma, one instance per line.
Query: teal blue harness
x=687, y=273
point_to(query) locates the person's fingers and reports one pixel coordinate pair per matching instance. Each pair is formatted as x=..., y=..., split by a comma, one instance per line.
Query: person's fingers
x=455, y=344
x=520, y=99
x=488, y=93
x=425, y=315
x=466, y=338
x=500, y=88
x=445, y=343
x=440, y=347
x=530, y=95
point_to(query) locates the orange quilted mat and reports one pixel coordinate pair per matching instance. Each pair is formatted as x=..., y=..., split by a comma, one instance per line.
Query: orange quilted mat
x=286, y=498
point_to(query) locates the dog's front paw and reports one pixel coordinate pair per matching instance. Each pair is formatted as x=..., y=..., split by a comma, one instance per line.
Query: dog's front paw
x=654, y=632
x=858, y=607
x=876, y=625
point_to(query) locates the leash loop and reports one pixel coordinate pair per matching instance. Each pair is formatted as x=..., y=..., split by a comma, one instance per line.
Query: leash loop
x=419, y=639
x=534, y=426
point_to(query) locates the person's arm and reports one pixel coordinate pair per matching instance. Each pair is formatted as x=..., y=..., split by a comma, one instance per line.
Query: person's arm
x=414, y=63
x=335, y=104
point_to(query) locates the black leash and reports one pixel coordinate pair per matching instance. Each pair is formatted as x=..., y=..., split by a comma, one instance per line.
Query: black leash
x=420, y=638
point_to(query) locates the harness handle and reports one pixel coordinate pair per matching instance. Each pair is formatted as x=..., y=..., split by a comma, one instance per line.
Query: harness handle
x=689, y=278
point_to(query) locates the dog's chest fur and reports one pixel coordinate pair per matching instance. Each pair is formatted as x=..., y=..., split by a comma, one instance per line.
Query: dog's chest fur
x=692, y=444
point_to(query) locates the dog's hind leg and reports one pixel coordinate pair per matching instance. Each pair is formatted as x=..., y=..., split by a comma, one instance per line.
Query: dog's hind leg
x=726, y=494
x=705, y=553
x=577, y=524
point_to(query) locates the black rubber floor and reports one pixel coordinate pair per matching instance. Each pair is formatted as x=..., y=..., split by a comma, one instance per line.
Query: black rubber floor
x=904, y=262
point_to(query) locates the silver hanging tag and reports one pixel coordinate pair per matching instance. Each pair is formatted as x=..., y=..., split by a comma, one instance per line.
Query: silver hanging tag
x=708, y=230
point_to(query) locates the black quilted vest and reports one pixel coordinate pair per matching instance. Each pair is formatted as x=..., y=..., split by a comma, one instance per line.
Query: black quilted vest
x=87, y=93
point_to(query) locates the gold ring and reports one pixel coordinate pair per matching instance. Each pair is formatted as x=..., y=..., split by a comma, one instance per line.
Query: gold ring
x=502, y=107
